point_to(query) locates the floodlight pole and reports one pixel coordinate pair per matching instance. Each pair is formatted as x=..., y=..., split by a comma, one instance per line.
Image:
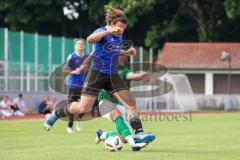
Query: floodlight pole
x=229, y=74
x=227, y=57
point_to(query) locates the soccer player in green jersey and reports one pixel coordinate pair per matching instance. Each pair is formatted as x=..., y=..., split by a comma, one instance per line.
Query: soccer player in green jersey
x=118, y=113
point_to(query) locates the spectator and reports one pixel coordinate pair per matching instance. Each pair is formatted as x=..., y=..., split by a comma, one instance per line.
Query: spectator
x=20, y=104
x=46, y=106
x=5, y=107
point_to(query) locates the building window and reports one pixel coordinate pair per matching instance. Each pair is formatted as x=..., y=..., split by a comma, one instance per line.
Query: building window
x=197, y=82
x=221, y=84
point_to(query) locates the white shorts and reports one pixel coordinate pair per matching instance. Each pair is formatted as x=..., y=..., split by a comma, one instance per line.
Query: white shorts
x=5, y=113
x=121, y=109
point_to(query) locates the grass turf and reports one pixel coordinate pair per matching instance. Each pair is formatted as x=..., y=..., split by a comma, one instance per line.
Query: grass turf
x=207, y=136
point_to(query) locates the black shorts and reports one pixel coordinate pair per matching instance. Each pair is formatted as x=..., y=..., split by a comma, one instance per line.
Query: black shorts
x=96, y=81
x=74, y=94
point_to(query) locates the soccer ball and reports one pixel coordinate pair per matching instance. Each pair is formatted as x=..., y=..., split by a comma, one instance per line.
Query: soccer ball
x=113, y=143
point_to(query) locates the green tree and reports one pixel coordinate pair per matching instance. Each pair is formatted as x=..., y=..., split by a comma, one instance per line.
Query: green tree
x=232, y=8
x=151, y=22
x=31, y=15
x=194, y=20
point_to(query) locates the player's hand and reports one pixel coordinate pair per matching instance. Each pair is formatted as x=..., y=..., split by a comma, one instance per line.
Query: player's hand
x=76, y=71
x=115, y=30
x=146, y=77
x=84, y=68
x=132, y=51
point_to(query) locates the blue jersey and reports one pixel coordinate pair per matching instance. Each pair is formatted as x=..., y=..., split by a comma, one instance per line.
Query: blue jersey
x=73, y=62
x=106, y=52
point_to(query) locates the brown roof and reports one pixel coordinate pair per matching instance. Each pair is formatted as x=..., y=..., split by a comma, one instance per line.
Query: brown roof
x=198, y=55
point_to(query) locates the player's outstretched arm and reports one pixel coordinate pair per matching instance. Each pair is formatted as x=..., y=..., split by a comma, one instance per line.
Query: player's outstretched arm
x=129, y=52
x=139, y=76
x=68, y=71
x=95, y=37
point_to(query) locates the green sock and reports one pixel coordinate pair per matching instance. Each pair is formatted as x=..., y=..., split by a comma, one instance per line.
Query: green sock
x=121, y=127
x=110, y=133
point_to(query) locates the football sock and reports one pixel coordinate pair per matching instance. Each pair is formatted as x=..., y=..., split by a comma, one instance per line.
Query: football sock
x=136, y=124
x=130, y=140
x=108, y=134
x=70, y=122
x=121, y=127
x=103, y=135
x=62, y=112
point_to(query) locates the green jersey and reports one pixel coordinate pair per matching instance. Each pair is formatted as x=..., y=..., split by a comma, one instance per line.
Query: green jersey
x=123, y=73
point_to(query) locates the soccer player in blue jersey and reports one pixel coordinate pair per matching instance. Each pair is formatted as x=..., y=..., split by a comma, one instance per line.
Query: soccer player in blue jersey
x=76, y=78
x=103, y=73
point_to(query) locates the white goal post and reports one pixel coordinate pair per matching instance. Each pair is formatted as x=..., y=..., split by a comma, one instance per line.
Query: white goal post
x=179, y=98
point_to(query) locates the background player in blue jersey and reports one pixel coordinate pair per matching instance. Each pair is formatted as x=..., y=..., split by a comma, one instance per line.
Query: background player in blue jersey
x=103, y=75
x=76, y=78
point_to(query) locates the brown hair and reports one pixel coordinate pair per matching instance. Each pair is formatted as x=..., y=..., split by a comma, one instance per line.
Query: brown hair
x=78, y=39
x=114, y=15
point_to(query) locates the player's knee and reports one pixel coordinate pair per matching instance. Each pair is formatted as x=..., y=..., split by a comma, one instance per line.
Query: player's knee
x=77, y=108
x=83, y=109
x=115, y=113
x=74, y=110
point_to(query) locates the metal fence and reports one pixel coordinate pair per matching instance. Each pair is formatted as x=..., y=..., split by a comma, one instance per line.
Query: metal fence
x=27, y=59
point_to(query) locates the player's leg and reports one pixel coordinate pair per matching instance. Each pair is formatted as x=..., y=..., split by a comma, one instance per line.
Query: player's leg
x=124, y=130
x=73, y=96
x=52, y=118
x=122, y=126
x=92, y=86
x=83, y=106
x=121, y=92
x=86, y=101
x=70, y=124
x=140, y=137
x=126, y=98
x=115, y=116
x=66, y=110
x=78, y=126
x=104, y=135
x=49, y=122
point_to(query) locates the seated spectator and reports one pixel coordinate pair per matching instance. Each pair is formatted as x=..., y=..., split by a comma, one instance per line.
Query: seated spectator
x=5, y=107
x=20, y=105
x=46, y=106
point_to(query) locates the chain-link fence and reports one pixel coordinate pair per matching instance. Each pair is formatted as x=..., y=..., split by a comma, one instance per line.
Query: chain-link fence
x=27, y=59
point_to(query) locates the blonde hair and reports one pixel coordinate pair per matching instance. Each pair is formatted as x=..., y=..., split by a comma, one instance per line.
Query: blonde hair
x=114, y=15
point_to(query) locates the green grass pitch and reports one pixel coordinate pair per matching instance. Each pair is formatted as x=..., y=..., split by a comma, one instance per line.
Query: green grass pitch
x=206, y=137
